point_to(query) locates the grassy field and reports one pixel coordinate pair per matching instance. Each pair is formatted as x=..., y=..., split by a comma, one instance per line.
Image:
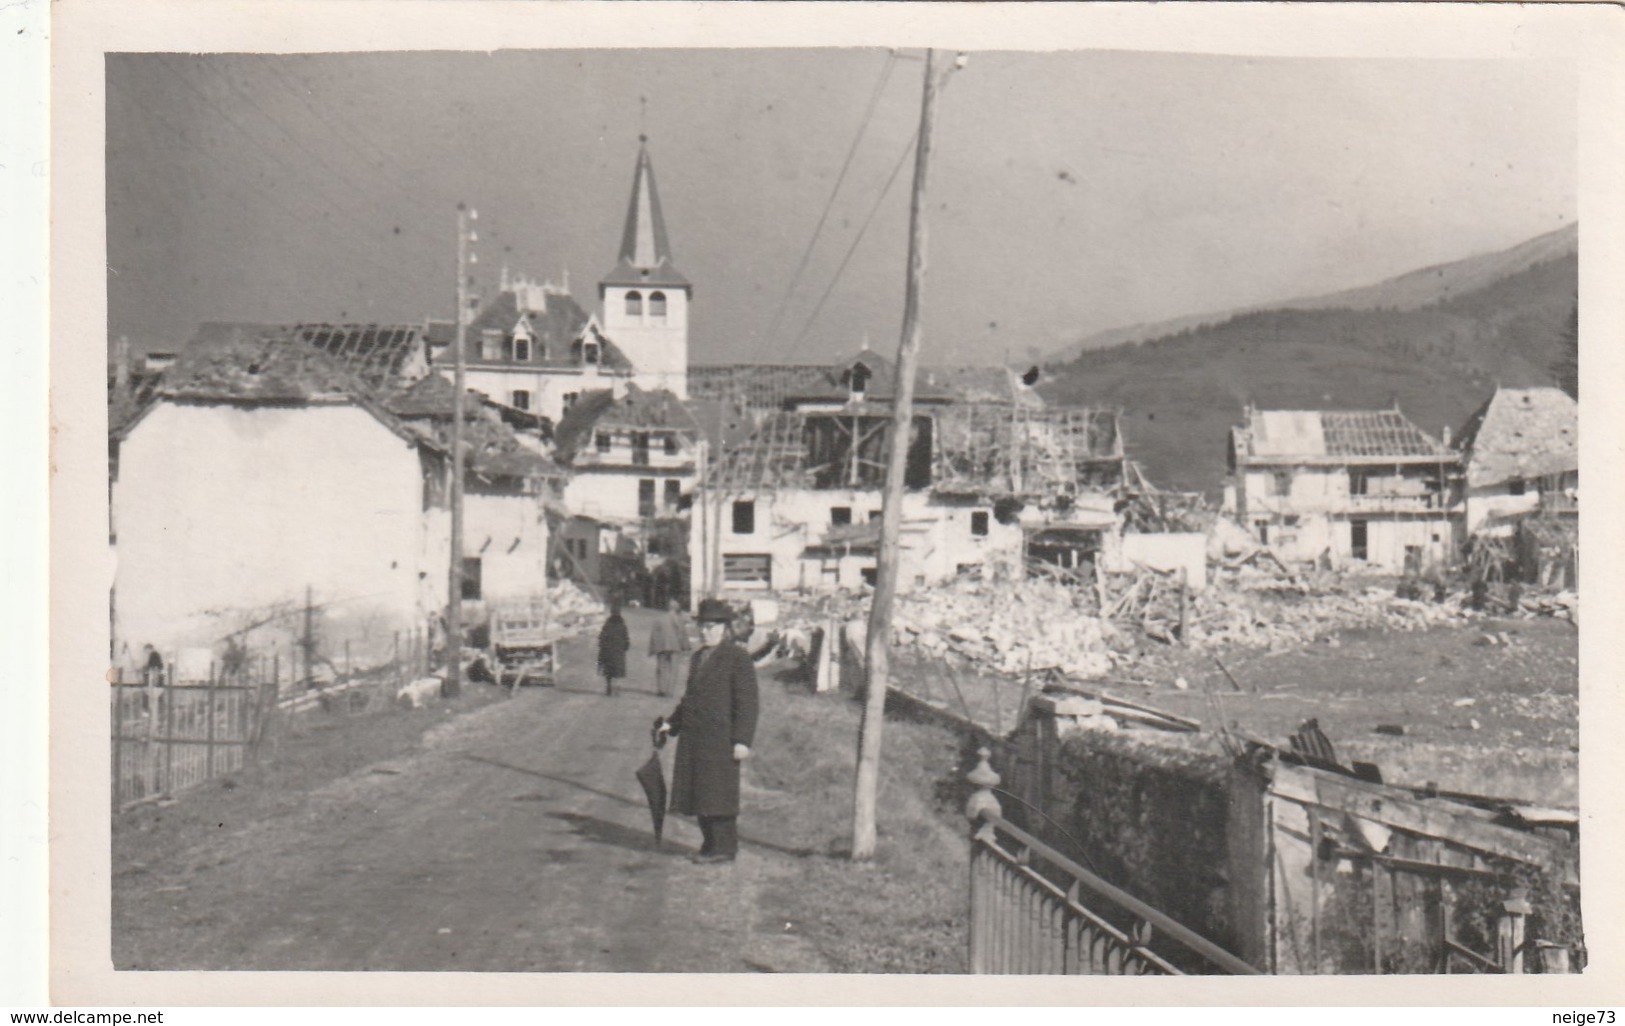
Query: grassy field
x=903, y=912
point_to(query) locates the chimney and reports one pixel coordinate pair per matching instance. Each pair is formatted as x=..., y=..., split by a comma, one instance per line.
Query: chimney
x=1447, y=436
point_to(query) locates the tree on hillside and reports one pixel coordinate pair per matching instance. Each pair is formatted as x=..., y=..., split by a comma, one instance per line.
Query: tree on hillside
x=1566, y=368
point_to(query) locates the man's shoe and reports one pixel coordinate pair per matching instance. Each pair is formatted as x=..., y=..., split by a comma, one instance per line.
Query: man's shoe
x=706, y=860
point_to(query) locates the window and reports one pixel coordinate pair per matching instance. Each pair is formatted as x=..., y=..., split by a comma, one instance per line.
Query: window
x=589, y=353
x=671, y=444
x=521, y=399
x=1358, y=483
x=868, y=573
x=1515, y=486
x=875, y=515
x=634, y=304
x=1358, y=540
x=490, y=344
x=840, y=516
x=569, y=399
x=745, y=517
x=747, y=568
x=978, y=523
x=646, y=497
x=1281, y=483
x=640, y=448
x=674, y=493
x=602, y=441
x=860, y=379
x=471, y=579
x=657, y=306
x=521, y=350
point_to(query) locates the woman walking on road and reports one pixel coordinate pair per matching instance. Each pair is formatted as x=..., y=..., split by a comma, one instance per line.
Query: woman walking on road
x=613, y=641
x=714, y=724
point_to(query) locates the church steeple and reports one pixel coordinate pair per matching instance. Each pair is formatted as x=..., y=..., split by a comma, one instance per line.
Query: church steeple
x=645, y=298
x=645, y=255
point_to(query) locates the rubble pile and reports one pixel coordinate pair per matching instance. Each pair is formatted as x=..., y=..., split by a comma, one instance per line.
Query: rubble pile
x=572, y=609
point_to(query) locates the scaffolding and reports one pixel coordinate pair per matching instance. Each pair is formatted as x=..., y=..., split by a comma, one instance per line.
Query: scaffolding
x=1011, y=449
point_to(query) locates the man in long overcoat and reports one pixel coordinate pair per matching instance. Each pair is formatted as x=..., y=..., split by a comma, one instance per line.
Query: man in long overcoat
x=714, y=724
x=613, y=641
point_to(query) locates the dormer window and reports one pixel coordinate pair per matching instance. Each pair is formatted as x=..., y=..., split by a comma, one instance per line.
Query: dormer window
x=521, y=350
x=860, y=380
x=657, y=306
x=589, y=353
x=634, y=304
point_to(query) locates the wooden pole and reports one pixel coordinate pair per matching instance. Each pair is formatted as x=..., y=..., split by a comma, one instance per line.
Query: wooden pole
x=454, y=583
x=878, y=655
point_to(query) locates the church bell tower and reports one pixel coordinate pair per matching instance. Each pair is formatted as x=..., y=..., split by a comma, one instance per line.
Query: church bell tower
x=645, y=298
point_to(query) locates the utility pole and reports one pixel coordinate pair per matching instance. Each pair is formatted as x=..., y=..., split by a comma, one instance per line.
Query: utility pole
x=878, y=647
x=454, y=596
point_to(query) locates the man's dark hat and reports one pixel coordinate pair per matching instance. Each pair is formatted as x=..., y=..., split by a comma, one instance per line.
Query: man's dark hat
x=714, y=611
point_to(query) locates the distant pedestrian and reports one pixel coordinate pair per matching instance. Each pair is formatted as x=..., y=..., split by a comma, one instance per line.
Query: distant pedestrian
x=613, y=641
x=668, y=639
x=715, y=724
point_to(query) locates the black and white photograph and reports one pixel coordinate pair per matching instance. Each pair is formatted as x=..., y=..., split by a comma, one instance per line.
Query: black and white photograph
x=904, y=507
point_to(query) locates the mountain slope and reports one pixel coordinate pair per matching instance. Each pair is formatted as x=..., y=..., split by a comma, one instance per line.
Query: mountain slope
x=1409, y=291
x=1181, y=393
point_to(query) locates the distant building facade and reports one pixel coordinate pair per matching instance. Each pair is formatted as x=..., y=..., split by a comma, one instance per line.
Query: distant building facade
x=1522, y=455
x=1351, y=487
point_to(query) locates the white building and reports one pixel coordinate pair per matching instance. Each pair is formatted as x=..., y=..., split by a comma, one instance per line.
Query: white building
x=1351, y=486
x=535, y=349
x=1522, y=454
x=262, y=475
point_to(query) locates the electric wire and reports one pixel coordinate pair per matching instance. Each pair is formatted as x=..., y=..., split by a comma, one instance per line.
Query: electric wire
x=829, y=204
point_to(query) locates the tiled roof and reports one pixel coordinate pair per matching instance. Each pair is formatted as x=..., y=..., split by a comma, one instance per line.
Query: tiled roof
x=252, y=362
x=834, y=384
x=577, y=423
x=639, y=408
x=1331, y=435
x=380, y=355
x=491, y=448
x=1521, y=433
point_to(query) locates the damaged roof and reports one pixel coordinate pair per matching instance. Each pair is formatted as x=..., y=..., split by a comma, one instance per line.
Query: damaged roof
x=1334, y=436
x=380, y=355
x=1521, y=433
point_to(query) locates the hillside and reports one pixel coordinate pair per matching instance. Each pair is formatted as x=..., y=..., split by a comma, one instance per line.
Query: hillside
x=1181, y=393
x=1412, y=290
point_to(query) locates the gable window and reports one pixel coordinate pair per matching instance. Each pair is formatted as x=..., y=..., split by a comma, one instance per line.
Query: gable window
x=671, y=444
x=840, y=516
x=674, y=493
x=634, y=304
x=589, y=353
x=978, y=523
x=657, y=306
x=521, y=399
x=602, y=441
x=490, y=344
x=745, y=517
x=521, y=350
x=646, y=497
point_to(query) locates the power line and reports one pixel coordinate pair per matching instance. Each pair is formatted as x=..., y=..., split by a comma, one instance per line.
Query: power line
x=829, y=204
x=886, y=189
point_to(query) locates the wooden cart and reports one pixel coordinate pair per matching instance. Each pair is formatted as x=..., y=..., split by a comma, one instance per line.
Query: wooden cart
x=524, y=644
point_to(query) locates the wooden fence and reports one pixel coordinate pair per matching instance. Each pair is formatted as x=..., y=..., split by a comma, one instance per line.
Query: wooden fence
x=169, y=736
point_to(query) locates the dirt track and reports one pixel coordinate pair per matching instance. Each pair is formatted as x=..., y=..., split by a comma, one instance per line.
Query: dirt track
x=513, y=839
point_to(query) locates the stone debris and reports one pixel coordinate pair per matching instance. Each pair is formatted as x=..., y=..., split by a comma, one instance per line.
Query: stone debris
x=572, y=609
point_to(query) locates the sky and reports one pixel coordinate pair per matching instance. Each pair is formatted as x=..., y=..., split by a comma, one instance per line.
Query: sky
x=1068, y=192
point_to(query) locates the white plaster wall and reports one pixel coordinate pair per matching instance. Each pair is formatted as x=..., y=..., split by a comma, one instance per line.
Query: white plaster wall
x=658, y=348
x=613, y=495
x=1495, y=500
x=223, y=511
x=1170, y=552
x=509, y=535
x=547, y=386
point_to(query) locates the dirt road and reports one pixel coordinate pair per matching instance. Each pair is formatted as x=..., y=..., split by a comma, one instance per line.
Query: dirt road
x=513, y=839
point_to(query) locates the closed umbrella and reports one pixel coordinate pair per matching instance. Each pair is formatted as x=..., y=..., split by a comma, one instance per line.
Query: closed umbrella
x=653, y=779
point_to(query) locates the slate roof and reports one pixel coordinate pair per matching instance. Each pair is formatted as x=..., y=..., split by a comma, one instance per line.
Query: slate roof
x=553, y=328
x=645, y=253
x=1331, y=436
x=653, y=409
x=1520, y=434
